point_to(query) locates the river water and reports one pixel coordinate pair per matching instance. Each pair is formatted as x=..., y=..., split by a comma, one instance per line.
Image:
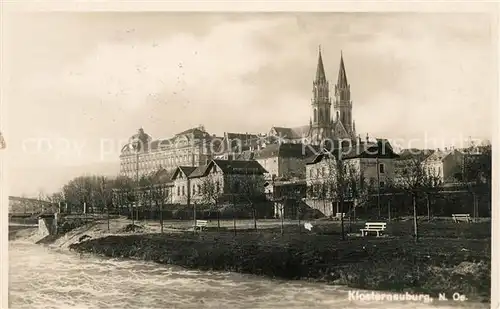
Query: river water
x=43, y=277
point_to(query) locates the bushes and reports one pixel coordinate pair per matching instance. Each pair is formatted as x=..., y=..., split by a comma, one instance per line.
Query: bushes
x=70, y=224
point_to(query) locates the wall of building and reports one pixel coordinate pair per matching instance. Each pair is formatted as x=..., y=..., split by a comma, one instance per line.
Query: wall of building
x=180, y=190
x=322, y=205
x=291, y=166
x=369, y=168
x=452, y=165
x=319, y=172
x=271, y=165
x=182, y=151
x=323, y=171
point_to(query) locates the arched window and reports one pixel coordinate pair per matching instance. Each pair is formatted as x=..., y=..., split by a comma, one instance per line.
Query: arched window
x=320, y=115
x=315, y=115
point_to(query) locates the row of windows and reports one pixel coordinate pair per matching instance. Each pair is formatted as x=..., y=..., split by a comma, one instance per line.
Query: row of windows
x=181, y=191
x=163, y=156
x=323, y=171
x=165, y=162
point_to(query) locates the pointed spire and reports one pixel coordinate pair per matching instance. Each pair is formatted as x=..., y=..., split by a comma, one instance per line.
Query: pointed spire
x=342, y=79
x=320, y=71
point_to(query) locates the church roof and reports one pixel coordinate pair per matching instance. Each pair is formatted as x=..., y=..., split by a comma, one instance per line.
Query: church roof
x=292, y=133
x=320, y=71
x=342, y=78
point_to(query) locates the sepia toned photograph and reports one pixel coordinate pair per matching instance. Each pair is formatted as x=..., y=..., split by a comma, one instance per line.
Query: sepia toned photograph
x=248, y=159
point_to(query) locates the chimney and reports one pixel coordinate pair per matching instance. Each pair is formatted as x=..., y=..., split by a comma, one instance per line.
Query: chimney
x=367, y=138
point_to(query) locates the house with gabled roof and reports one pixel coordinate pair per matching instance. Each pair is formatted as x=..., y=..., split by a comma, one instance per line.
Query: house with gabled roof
x=181, y=184
x=447, y=165
x=374, y=163
x=222, y=173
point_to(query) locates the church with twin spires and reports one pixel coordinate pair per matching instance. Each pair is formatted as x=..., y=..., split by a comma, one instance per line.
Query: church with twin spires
x=325, y=123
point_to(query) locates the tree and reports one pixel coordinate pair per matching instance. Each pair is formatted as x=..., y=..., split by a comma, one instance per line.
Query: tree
x=211, y=194
x=477, y=173
x=341, y=179
x=56, y=199
x=249, y=189
x=358, y=190
x=103, y=196
x=318, y=189
x=78, y=193
x=414, y=177
x=124, y=193
x=390, y=189
x=432, y=182
x=42, y=200
x=159, y=194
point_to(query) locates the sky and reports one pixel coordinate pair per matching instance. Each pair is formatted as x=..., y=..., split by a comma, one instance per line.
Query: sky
x=80, y=84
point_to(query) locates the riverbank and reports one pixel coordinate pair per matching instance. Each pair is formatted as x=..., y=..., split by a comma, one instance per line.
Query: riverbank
x=433, y=265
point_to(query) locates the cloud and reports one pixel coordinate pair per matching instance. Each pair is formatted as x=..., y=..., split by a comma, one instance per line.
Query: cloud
x=409, y=74
x=203, y=70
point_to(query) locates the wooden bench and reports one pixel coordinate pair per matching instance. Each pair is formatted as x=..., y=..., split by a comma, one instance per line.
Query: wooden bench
x=461, y=217
x=200, y=224
x=377, y=227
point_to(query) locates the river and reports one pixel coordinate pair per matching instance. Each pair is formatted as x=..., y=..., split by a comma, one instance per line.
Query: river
x=43, y=277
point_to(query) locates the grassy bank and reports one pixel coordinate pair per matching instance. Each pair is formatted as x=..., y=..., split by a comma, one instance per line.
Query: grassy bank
x=434, y=265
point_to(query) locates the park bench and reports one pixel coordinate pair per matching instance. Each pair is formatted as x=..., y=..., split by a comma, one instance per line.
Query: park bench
x=338, y=215
x=461, y=217
x=377, y=227
x=200, y=224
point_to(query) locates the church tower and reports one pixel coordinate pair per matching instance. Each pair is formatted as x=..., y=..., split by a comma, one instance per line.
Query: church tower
x=321, y=122
x=343, y=103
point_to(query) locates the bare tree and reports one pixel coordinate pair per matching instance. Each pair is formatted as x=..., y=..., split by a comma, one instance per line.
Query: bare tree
x=57, y=198
x=416, y=179
x=103, y=196
x=42, y=198
x=477, y=173
x=339, y=179
x=160, y=194
x=432, y=183
x=358, y=190
x=124, y=193
x=211, y=194
x=249, y=189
